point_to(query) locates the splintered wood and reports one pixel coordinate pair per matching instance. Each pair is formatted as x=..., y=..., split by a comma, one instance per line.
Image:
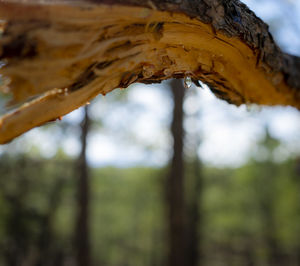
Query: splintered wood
x=57, y=57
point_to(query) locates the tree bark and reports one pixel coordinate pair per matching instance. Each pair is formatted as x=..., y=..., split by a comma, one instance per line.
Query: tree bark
x=59, y=54
x=82, y=241
x=175, y=182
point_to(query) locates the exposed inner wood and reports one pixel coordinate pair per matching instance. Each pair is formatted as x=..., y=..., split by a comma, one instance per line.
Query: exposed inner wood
x=67, y=55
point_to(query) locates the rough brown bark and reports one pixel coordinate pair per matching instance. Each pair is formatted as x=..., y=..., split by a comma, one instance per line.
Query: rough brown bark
x=62, y=53
x=175, y=182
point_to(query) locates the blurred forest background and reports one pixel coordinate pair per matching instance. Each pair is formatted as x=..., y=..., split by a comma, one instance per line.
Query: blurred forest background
x=159, y=175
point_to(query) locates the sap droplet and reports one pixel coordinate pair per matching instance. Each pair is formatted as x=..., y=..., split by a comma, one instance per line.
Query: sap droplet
x=88, y=103
x=187, y=82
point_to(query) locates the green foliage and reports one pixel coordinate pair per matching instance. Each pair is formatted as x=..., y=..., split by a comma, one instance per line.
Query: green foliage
x=127, y=215
x=244, y=212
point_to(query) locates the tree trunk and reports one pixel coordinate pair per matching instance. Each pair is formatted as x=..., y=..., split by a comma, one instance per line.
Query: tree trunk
x=194, y=248
x=82, y=240
x=175, y=182
x=61, y=53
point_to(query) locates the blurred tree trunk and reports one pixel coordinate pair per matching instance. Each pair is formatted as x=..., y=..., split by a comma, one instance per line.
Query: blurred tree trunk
x=82, y=244
x=175, y=182
x=194, y=252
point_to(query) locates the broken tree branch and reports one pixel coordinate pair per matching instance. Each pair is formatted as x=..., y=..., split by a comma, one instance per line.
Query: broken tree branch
x=59, y=54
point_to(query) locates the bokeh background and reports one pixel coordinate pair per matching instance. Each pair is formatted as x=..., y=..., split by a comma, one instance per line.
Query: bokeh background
x=126, y=181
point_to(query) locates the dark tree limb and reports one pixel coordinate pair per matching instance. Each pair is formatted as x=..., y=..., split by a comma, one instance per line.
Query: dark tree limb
x=60, y=54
